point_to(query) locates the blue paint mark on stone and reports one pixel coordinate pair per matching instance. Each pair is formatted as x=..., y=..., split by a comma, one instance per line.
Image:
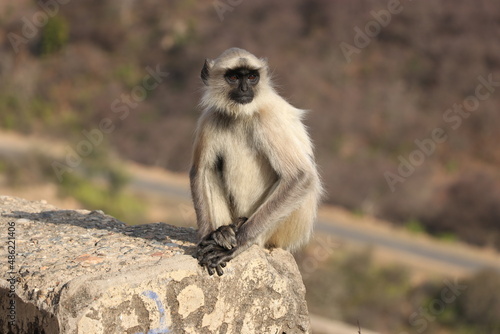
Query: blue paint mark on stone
x=163, y=317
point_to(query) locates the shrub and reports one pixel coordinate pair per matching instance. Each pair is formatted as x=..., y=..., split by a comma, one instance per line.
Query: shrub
x=480, y=303
x=54, y=35
x=471, y=209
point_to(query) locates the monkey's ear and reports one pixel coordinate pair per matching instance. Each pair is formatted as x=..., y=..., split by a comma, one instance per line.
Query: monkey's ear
x=206, y=70
x=266, y=66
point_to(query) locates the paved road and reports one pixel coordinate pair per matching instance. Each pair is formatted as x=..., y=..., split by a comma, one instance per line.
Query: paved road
x=430, y=253
x=160, y=188
x=353, y=234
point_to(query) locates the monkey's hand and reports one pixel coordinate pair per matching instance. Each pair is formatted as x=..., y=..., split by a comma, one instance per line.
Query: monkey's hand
x=224, y=236
x=217, y=245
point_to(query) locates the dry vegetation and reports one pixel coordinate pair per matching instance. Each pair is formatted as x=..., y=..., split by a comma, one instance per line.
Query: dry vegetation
x=350, y=287
x=365, y=114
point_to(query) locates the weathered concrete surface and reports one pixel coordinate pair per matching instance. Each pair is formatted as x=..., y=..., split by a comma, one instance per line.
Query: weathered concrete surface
x=85, y=272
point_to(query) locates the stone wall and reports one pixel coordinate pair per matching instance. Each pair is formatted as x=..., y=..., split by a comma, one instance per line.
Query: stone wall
x=77, y=271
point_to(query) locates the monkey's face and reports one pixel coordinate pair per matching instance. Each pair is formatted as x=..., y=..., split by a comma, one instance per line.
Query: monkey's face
x=242, y=82
x=235, y=82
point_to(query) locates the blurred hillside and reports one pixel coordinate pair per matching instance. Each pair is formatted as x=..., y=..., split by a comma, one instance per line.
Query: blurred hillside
x=124, y=76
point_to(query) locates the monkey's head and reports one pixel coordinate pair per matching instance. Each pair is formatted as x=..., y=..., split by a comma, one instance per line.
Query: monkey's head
x=234, y=82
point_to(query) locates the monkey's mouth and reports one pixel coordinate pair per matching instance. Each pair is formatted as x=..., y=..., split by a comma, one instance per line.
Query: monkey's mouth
x=245, y=99
x=242, y=98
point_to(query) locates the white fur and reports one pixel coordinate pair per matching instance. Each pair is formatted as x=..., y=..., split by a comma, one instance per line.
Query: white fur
x=269, y=174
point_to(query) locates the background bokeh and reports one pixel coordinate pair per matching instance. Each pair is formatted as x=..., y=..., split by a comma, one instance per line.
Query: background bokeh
x=379, y=78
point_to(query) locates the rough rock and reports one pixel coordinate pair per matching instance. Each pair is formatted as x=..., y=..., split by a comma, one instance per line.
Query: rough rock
x=78, y=271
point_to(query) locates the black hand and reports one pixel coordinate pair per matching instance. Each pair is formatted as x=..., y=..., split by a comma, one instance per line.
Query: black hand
x=218, y=247
x=206, y=256
x=225, y=235
x=217, y=260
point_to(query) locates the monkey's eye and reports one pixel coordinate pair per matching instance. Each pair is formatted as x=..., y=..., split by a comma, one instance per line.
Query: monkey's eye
x=232, y=77
x=253, y=77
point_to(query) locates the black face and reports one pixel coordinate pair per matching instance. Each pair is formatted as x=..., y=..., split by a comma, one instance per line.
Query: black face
x=243, y=81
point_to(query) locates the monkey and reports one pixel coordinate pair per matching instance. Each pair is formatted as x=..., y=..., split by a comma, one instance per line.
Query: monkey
x=253, y=175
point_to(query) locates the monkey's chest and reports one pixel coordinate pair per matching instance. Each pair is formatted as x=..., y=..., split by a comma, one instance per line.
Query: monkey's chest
x=247, y=177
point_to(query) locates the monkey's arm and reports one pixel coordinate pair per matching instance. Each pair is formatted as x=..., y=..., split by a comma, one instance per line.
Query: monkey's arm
x=210, y=205
x=286, y=144
x=207, y=201
x=200, y=206
x=207, y=190
x=212, y=210
x=286, y=196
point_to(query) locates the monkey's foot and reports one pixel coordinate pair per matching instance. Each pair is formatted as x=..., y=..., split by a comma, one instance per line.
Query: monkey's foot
x=216, y=259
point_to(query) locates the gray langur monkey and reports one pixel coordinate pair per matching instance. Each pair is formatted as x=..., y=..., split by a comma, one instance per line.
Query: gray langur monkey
x=253, y=176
